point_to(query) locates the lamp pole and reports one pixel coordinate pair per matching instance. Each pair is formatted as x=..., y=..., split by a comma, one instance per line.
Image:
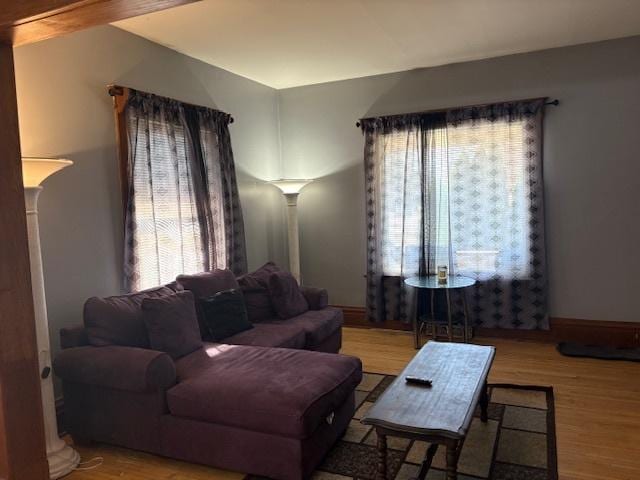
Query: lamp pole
x=293, y=236
x=61, y=457
x=291, y=189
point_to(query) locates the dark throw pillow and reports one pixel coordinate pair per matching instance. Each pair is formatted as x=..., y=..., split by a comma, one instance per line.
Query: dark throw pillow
x=172, y=324
x=225, y=314
x=206, y=284
x=286, y=297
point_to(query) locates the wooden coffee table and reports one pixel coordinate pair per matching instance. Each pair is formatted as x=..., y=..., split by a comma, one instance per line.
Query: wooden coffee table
x=441, y=414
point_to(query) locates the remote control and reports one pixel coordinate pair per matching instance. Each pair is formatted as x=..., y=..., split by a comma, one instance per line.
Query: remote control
x=424, y=382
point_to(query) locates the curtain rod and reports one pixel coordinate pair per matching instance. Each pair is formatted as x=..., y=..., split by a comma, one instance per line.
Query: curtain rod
x=554, y=102
x=118, y=91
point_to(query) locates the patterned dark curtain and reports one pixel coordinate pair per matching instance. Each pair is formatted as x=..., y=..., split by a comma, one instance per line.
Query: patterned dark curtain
x=182, y=212
x=461, y=188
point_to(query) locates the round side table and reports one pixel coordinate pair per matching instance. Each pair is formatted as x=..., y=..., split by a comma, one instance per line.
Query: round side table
x=430, y=283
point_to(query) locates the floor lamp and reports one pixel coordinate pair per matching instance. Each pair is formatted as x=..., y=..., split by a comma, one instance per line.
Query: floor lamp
x=62, y=458
x=291, y=190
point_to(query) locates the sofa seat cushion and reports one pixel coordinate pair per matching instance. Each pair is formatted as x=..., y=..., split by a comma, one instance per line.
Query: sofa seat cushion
x=318, y=325
x=272, y=390
x=270, y=335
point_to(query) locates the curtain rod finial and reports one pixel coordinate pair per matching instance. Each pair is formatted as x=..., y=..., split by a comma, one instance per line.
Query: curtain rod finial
x=115, y=90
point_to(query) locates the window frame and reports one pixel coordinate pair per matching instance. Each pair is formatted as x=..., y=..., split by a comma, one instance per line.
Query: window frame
x=120, y=97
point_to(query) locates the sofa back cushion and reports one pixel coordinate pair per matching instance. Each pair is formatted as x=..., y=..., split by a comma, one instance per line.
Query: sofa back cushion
x=286, y=297
x=258, y=279
x=75, y=336
x=255, y=288
x=172, y=324
x=207, y=284
x=258, y=303
x=225, y=314
x=118, y=320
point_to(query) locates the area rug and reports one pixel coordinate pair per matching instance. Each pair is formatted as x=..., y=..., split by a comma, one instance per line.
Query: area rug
x=517, y=443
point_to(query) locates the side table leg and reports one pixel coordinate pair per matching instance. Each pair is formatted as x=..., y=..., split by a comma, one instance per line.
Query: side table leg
x=417, y=327
x=449, y=317
x=484, y=403
x=452, y=461
x=466, y=315
x=382, y=457
x=433, y=304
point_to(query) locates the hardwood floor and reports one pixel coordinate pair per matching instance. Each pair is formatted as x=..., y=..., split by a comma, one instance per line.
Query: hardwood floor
x=597, y=410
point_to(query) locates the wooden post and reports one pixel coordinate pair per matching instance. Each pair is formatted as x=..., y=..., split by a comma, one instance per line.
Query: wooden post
x=22, y=447
x=22, y=443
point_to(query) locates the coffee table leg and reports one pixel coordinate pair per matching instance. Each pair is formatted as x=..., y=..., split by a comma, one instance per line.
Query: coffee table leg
x=382, y=457
x=452, y=461
x=484, y=403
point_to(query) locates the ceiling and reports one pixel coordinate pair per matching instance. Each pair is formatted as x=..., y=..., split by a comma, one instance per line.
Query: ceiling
x=287, y=43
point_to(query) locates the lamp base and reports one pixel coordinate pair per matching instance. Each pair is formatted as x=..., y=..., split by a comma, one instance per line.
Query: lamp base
x=62, y=462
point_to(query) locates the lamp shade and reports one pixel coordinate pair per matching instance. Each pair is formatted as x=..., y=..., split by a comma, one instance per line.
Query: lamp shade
x=37, y=170
x=290, y=185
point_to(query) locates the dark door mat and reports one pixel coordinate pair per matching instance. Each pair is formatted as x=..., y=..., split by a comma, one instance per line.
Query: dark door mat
x=595, y=351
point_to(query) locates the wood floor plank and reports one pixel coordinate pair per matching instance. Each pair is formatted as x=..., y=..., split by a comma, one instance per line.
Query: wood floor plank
x=597, y=409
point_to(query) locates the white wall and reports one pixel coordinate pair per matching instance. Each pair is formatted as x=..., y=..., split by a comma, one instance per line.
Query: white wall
x=65, y=111
x=591, y=162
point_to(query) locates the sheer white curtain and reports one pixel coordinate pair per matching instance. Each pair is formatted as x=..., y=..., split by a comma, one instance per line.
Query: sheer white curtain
x=166, y=233
x=489, y=199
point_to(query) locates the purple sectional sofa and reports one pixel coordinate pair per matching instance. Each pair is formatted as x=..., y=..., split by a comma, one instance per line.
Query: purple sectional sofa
x=268, y=401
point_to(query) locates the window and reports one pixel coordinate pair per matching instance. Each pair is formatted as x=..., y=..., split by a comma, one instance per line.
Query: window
x=167, y=230
x=181, y=206
x=469, y=197
x=463, y=188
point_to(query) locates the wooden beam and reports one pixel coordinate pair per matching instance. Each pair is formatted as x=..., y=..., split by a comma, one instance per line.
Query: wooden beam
x=34, y=20
x=17, y=12
x=22, y=444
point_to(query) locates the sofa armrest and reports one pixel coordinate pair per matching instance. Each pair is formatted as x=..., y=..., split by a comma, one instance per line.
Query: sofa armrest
x=121, y=368
x=317, y=298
